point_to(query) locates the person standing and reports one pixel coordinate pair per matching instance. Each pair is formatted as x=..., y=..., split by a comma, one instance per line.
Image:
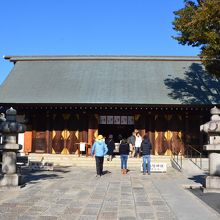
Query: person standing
x=146, y=148
x=124, y=152
x=111, y=147
x=138, y=140
x=99, y=149
x=131, y=141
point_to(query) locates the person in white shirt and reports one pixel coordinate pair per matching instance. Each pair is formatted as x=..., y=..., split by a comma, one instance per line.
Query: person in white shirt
x=138, y=141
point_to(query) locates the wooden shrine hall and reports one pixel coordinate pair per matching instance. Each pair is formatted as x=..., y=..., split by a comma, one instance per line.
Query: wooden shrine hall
x=66, y=100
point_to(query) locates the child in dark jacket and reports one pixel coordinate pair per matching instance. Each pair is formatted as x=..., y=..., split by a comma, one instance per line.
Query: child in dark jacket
x=124, y=152
x=146, y=152
x=111, y=147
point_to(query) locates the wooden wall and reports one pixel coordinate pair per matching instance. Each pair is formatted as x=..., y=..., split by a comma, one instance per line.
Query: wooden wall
x=60, y=133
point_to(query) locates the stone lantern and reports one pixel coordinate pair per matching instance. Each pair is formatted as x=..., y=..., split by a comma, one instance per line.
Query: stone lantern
x=9, y=128
x=212, y=128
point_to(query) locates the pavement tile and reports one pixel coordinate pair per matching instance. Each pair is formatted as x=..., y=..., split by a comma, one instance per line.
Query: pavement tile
x=55, y=210
x=68, y=217
x=127, y=218
x=110, y=209
x=107, y=215
x=47, y=217
x=144, y=208
x=91, y=211
x=8, y=216
x=141, y=199
x=158, y=203
x=79, y=195
x=142, y=203
x=109, y=203
x=93, y=205
x=164, y=215
x=127, y=202
x=126, y=207
x=27, y=217
x=72, y=211
x=87, y=217
x=146, y=215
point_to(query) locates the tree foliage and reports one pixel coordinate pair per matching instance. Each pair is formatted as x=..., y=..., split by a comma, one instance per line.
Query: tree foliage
x=198, y=25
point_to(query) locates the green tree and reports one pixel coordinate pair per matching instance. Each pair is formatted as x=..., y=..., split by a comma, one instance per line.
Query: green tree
x=198, y=25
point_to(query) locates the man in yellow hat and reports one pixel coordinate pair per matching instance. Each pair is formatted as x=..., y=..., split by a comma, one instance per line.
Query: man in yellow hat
x=99, y=149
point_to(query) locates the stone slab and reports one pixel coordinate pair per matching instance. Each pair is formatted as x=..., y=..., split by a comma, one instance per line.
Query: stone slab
x=214, y=164
x=10, y=180
x=212, y=182
x=13, y=147
x=211, y=147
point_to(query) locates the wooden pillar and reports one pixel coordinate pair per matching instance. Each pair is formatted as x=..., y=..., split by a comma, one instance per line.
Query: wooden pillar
x=139, y=123
x=34, y=119
x=151, y=130
x=27, y=142
x=160, y=139
x=92, y=128
x=28, y=136
x=73, y=139
x=186, y=138
x=201, y=134
x=57, y=138
x=48, y=134
x=176, y=128
x=83, y=128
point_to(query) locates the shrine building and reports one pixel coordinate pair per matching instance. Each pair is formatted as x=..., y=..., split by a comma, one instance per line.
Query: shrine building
x=65, y=100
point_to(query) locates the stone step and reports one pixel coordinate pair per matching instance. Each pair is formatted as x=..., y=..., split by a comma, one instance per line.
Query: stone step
x=74, y=160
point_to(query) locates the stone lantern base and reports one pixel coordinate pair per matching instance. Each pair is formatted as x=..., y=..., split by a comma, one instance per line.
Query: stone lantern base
x=9, y=175
x=212, y=184
x=10, y=179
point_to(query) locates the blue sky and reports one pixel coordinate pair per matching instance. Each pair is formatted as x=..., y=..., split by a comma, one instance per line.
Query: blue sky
x=88, y=27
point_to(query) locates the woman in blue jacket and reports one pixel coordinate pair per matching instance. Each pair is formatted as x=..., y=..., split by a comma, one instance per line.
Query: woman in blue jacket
x=99, y=149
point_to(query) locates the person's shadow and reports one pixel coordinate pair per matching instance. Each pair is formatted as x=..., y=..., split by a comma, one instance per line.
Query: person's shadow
x=196, y=87
x=105, y=172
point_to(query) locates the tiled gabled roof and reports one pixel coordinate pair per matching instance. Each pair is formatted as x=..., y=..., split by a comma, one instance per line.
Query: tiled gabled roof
x=108, y=80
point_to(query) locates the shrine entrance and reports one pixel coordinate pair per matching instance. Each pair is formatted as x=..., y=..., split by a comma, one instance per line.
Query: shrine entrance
x=124, y=130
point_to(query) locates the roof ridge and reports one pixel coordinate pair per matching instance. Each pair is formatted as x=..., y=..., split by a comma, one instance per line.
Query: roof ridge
x=99, y=57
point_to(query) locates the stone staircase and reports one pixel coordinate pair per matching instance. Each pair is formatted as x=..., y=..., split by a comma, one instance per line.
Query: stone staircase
x=83, y=161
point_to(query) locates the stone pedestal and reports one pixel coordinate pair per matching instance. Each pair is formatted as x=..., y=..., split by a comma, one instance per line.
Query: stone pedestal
x=212, y=184
x=10, y=179
x=9, y=147
x=212, y=181
x=9, y=176
x=214, y=164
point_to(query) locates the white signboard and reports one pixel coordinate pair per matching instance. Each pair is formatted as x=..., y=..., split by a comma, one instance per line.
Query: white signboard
x=156, y=167
x=82, y=146
x=21, y=141
x=124, y=120
x=130, y=120
x=102, y=120
x=117, y=120
x=109, y=119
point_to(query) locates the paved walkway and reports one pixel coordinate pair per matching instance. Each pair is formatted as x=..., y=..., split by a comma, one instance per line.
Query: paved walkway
x=75, y=193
